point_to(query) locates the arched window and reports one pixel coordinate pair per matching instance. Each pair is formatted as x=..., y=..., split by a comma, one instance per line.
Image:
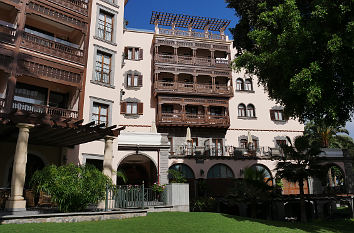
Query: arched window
x=248, y=85
x=184, y=169
x=241, y=110
x=220, y=171
x=239, y=84
x=262, y=168
x=251, y=111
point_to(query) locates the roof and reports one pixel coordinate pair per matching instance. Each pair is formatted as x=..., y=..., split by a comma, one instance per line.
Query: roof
x=184, y=21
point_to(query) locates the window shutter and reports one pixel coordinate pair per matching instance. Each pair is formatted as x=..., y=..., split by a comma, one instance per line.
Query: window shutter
x=140, y=81
x=126, y=52
x=141, y=54
x=272, y=115
x=123, y=107
x=140, y=108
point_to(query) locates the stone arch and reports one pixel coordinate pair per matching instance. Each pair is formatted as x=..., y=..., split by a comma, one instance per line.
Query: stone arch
x=220, y=170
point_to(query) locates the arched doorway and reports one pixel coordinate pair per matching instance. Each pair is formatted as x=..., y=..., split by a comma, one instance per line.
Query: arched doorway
x=335, y=179
x=138, y=168
x=266, y=171
x=33, y=164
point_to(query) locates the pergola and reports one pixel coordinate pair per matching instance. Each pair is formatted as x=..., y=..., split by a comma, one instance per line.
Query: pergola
x=186, y=21
x=23, y=128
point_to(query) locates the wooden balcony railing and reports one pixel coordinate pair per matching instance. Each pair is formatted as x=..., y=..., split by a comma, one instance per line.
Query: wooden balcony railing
x=184, y=119
x=193, y=34
x=36, y=108
x=67, y=18
x=190, y=44
x=7, y=34
x=193, y=88
x=189, y=60
x=74, y=5
x=50, y=47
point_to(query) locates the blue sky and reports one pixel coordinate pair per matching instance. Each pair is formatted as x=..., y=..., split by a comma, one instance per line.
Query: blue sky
x=138, y=13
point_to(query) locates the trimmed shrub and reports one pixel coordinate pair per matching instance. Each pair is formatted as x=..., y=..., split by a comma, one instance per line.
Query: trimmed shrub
x=71, y=187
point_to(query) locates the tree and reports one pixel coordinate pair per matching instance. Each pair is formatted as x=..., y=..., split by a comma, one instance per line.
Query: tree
x=71, y=187
x=254, y=188
x=300, y=161
x=302, y=52
x=323, y=133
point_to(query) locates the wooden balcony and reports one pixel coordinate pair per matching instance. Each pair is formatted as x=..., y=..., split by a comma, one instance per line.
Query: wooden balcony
x=192, y=44
x=79, y=6
x=193, y=88
x=52, y=111
x=189, y=60
x=192, y=34
x=184, y=119
x=7, y=34
x=52, y=48
x=67, y=17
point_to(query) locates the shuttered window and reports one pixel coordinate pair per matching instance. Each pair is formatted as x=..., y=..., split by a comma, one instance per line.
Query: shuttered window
x=277, y=115
x=131, y=108
x=131, y=53
x=134, y=80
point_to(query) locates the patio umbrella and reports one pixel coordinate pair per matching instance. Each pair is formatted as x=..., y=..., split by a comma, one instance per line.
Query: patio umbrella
x=153, y=128
x=189, y=135
x=249, y=139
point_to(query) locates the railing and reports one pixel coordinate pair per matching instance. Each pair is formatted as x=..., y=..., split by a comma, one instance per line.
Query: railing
x=44, y=9
x=189, y=44
x=36, y=108
x=225, y=151
x=189, y=60
x=193, y=88
x=133, y=196
x=194, y=34
x=40, y=44
x=197, y=119
x=75, y=5
x=7, y=34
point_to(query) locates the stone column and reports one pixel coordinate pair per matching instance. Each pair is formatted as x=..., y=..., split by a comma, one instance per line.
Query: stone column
x=16, y=202
x=108, y=156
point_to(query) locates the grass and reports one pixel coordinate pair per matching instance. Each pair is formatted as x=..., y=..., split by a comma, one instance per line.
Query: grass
x=182, y=222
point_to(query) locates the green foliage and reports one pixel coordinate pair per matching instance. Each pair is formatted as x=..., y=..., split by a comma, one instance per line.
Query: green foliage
x=302, y=52
x=158, y=187
x=176, y=176
x=204, y=204
x=121, y=174
x=71, y=187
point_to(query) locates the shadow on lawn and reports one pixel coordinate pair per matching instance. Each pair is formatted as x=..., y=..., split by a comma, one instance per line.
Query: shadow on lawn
x=313, y=226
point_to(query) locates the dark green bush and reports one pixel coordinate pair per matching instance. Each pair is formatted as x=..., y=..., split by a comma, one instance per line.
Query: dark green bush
x=71, y=187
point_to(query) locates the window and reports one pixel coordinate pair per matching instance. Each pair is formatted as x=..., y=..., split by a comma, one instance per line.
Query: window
x=184, y=169
x=277, y=115
x=195, y=142
x=243, y=143
x=220, y=171
x=100, y=113
x=217, y=148
x=103, y=67
x=105, y=26
x=280, y=142
x=251, y=111
x=239, y=84
x=248, y=85
x=131, y=108
x=241, y=110
x=134, y=80
x=133, y=53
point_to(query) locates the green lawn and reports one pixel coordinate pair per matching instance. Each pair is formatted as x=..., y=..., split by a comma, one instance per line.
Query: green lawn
x=183, y=222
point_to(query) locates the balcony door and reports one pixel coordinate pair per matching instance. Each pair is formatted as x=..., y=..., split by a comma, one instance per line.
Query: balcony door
x=217, y=145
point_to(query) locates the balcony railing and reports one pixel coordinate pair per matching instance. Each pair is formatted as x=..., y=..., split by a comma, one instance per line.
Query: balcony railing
x=193, y=88
x=75, y=5
x=50, y=47
x=194, y=34
x=189, y=60
x=36, y=108
x=7, y=34
x=193, y=119
x=224, y=151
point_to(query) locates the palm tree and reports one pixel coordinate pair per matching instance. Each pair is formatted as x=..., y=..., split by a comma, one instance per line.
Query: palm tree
x=323, y=132
x=298, y=164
